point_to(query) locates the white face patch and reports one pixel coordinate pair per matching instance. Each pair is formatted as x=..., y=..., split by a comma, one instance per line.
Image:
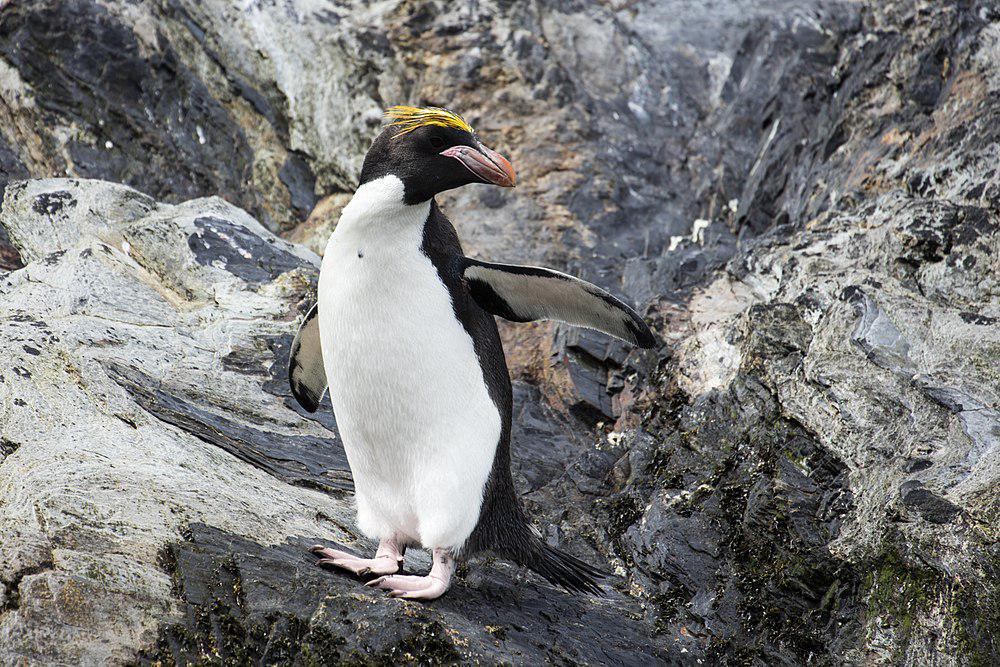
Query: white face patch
x=419, y=427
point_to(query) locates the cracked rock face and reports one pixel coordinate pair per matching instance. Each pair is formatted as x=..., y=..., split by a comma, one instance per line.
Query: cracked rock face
x=801, y=195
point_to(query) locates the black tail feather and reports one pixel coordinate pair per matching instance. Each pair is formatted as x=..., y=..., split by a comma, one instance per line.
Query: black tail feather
x=504, y=530
x=564, y=570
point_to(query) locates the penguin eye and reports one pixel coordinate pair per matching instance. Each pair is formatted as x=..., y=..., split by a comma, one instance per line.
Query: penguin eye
x=437, y=142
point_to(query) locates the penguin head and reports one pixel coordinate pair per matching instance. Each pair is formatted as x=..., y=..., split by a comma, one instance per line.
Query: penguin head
x=432, y=150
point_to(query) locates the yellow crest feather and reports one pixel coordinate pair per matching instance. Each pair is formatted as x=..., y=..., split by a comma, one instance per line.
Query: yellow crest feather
x=410, y=118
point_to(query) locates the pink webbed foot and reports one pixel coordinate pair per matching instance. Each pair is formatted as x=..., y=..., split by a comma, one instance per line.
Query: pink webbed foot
x=429, y=587
x=411, y=587
x=388, y=560
x=359, y=566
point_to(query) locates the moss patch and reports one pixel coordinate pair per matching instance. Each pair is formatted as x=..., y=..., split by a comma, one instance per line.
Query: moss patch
x=898, y=594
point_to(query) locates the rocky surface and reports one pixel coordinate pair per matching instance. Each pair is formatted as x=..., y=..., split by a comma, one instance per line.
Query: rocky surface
x=160, y=487
x=802, y=195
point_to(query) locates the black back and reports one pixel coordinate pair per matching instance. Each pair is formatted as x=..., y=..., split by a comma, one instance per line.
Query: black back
x=500, y=504
x=502, y=526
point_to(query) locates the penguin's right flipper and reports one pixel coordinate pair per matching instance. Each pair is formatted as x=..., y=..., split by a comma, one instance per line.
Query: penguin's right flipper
x=526, y=293
x=306, y=373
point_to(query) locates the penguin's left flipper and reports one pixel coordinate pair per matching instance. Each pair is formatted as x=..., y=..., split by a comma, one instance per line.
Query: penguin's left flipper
x=526, y=293
x=306, y=374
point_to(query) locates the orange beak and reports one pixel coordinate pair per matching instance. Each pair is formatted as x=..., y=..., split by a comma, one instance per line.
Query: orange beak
x=485, y=163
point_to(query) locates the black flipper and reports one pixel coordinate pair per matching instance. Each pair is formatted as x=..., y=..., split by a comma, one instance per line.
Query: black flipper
x=306, y=374
x=526, y=293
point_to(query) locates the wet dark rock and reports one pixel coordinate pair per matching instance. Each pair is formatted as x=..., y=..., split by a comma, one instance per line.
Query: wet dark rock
x=762, y=497
x=607, y=350
x=241, y=252
x=590, y=384
x=7, y=448
x=301, y=184
x=935, y=228
x=143, y=116
x=916, y=465
x=976, y=318
x=51, y=203
x=544, y=440
x=245, y=602
x=928, y=504
x=302, y=460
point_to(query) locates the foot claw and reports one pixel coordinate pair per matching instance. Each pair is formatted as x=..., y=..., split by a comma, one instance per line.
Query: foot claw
x=360, y=566
x=410, y=587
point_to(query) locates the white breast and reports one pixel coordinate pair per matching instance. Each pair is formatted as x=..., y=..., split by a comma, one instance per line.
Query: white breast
x=418, y=424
